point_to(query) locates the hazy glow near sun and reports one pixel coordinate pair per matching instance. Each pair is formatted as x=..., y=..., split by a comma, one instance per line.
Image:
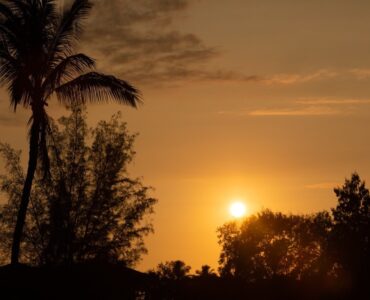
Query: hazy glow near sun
x=238, y=209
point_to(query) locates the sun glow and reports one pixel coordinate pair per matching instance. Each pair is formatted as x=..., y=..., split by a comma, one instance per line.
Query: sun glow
x=238, y=209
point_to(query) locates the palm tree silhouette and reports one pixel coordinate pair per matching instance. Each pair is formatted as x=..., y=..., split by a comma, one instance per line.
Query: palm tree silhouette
x=206, y=271
x=37, y=61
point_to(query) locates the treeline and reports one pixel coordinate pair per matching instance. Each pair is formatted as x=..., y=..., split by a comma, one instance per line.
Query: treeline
x=272, y=255
x=330, y=245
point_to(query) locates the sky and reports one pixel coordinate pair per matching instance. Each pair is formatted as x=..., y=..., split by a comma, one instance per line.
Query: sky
x=265, y=101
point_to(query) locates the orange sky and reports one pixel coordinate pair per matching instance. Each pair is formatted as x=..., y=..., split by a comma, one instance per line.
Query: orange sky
x=263, y=100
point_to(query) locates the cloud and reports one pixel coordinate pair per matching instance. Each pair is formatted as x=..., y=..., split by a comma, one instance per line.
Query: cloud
x=179, y=73
x=322, y=186
x=306, y=108
x=137, y=40
x=327, y=101
x=304, y=111
x=284, y=112
x=318, y=75
x=288, y=79
x=360, y=73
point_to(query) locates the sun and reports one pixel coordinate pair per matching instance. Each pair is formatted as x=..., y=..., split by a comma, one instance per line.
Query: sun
x=238, y=209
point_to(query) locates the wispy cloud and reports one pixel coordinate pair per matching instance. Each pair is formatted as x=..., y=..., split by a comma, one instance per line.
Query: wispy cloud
x=328, y=101
x=303, y=78
x=288, y=79
x=322, y=186
x=136, y=39
x=360, y=73
x=317, y=75
x=304, y=111
x=305, y=107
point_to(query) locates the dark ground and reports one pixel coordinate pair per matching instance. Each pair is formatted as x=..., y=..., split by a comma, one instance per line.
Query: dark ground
x=102, y=281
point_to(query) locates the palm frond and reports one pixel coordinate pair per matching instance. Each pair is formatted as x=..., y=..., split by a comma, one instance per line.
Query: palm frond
x=96, y=87
x=8, y=65
x=8, y=59
x=67, y=69
x=48, y=15
x=20, y=90
x=10, y=23
x=6, y=12
x=70, y=27
x=7, y=72
x=50, y=11
x=20, y=7
x=72, y=18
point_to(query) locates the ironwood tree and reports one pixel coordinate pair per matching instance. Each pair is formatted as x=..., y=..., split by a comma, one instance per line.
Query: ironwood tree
x=90, y=208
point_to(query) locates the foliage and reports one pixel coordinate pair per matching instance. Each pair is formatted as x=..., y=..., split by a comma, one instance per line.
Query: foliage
x=37, y=56
x=327, y=244
x=172, y=270
x=351, y=232
x=205, y=272
x=90, y=209
x=37, y=61
x=273, y=244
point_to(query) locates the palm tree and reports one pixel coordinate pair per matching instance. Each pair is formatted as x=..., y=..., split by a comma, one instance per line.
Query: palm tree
x=37, y=61
x=206, y=271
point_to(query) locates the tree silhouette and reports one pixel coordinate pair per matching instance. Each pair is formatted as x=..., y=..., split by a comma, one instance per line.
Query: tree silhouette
x=350, y=243
x=205, y=272
x=172, y=270
x=37, y=61
x=270, y=245
x=103, y=215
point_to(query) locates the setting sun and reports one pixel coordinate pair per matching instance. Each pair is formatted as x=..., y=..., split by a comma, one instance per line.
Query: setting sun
x=238, y=209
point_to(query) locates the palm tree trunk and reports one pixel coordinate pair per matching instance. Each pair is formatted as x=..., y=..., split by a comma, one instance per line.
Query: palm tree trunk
x=21, y=218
